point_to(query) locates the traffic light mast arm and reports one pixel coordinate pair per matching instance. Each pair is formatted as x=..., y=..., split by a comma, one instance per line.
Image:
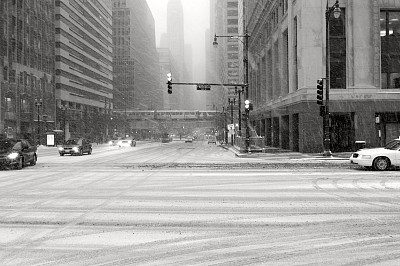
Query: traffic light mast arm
x=210, y=84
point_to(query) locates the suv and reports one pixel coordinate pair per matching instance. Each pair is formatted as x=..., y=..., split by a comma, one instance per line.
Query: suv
x=77, y=146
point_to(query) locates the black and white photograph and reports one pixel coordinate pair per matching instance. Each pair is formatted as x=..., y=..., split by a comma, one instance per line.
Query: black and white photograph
x=200, y=132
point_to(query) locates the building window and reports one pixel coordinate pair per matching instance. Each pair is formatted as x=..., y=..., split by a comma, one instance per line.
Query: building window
x=9, y=104
x=337, y=42
x=232, y=30
x=390, y=49
x=232, y=22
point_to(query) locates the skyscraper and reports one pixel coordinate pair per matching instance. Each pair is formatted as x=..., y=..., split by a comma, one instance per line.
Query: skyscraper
x=175, y=33
x=27, y=63
x=136, y=69
x=223, y=60
x=84, y=75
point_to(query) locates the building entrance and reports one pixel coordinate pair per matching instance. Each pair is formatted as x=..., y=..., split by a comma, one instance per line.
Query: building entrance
x=342, y=132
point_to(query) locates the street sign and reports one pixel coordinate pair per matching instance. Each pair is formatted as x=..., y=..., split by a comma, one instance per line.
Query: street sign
x=203, y=87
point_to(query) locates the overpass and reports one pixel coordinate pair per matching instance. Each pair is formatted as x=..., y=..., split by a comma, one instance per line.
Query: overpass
x=153, y=123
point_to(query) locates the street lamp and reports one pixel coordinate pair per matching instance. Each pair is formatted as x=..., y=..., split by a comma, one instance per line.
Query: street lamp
x=239, y=92
x=38, y=104
x=246, y=75
x=232, y=102
x=327, y=134
x=64, y=108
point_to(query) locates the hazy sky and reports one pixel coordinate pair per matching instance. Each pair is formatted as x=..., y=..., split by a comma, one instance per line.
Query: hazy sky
x=196, y=16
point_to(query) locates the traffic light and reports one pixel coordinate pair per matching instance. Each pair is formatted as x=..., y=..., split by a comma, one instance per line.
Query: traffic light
x=320, y=91
x=169, y=82
x=248, y=106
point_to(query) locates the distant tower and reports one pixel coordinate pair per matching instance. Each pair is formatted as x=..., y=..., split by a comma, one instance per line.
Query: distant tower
x=175, y=32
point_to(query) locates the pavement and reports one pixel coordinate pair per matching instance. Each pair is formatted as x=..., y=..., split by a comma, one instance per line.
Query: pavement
x=274, y=152
x=267, y=153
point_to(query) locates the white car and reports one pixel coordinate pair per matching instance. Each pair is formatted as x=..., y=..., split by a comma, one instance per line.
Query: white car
x=378, y=158
x=127, y=143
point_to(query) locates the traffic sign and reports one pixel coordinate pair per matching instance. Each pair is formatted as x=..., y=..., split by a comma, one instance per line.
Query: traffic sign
x=203, y=87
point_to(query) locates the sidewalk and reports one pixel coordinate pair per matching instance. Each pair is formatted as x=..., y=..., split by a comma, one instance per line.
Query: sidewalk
x=272, y=152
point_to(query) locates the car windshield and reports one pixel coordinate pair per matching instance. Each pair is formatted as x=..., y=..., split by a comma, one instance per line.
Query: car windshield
x=72, y=142
x=393, y=145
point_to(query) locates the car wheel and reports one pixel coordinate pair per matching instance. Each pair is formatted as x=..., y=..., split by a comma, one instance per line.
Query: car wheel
x=90, y=151
x=381, y=163
x=61, y=154
x=33, y=162
x=20, y=164
x=80, y=152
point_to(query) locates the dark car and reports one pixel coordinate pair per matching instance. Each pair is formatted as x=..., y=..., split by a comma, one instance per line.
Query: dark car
x=77, y=146
x=17, y=153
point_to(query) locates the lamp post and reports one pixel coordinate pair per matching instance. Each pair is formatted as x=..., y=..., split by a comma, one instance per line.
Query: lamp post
x=38, y=104
x=239, y=92
x=246, y=37
x=327, y=134
x=225, y=126
x=64, y=108
x=232, y=103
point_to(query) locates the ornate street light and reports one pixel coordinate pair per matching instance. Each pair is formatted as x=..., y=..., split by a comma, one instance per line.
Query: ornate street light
x=246, y=76
x=327, y=134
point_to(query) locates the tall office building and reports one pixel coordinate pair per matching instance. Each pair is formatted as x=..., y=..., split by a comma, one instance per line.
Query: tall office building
x=27, y=69
x=136, y=69
x=175, y=34
x=84, y=74
x=224, y=59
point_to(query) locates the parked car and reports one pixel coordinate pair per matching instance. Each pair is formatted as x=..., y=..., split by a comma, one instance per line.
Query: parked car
x=127, y=142
x=17, y=153
x=76, y=146
x=378, y=158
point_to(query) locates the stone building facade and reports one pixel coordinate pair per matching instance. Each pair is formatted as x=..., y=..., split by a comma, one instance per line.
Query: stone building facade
x=287, y=51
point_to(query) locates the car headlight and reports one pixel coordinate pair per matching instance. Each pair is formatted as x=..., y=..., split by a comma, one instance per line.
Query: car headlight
x=60, y=148
x=13, y=155
x=75, y=149
x=365, y=156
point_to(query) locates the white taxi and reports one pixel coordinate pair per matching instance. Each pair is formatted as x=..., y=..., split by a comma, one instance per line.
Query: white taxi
x=378, y=158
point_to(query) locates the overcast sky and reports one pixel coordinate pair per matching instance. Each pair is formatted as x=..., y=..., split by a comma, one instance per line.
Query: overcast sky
x=196, y=16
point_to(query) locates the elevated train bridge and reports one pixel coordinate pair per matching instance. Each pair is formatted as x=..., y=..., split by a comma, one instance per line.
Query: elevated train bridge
x=150, y=123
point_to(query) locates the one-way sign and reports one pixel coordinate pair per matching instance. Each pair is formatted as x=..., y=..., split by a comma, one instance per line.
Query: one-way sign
x=203, y=87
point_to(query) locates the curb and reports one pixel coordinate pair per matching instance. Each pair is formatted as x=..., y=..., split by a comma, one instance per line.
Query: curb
x=298, y=157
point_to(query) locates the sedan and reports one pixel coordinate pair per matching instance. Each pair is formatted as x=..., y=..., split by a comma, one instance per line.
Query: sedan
x=17, y=153
x=127, y=143
x=189, y=139
x=378, y=158
x=77, y=146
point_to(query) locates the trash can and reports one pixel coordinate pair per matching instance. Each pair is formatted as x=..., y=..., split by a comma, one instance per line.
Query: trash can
x=360, y=144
